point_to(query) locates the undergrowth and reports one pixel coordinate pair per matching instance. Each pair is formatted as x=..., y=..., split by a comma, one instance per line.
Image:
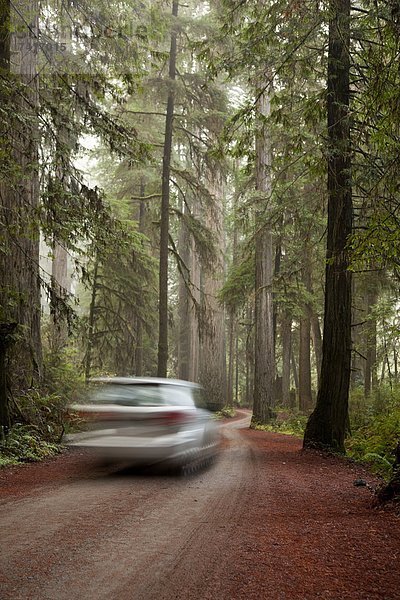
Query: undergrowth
x=285, y=421
x=25, y=443
x=225, y=412
x=39, y=417
x=375, y=429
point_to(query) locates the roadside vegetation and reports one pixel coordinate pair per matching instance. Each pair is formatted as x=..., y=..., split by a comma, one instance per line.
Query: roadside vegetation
x=374, y=427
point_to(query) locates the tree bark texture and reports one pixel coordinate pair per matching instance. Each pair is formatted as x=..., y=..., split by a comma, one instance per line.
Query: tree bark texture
x=286, y=342
x=60, y=291
x=6, y=331
x=5, y=9
x=317, y=341
x=249, y=354
x=19, y=260
x=139, y=350
x=232, y=336
x=327, y=425
x=194, y=362
x=92, y=322
x=189, y=304
x=164, y=218
x=305, y=395
x=65, y=140
x=184, y=321
x=370, y=372
x=212, y=333
x=264, y=354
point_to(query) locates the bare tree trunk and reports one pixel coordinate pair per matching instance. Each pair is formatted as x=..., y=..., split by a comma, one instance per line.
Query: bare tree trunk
x=370, y=374
x=60, y=283
x=294, y=369
x=184, y=303
x=232, y=321
x=19, y=264
x=249, y=356
x=236, y=367
x=264, y=363
x=305, y=395
x=194, y=363
x=212, y=335
x=317, y=341
x=164, y=220
x=6, y=331
x=286, y=341
x=231, y=357
x=91, y=324
x=139, y=351
x=327, y=425
x=60, y=290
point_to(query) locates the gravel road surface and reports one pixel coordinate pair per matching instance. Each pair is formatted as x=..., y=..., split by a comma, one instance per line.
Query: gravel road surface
x=265, y=521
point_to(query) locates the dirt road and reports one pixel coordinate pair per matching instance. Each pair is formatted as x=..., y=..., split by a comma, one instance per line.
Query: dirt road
x=266, y=521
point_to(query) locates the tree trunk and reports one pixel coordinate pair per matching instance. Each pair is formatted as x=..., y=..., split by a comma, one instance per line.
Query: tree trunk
x=184, y=304
x=5, y=6
x=212, y=335
x=233, y=338
x=317, y=342
x=249, y=356
x=139, y=353
x=91, y=324
x=6, y=331
x=231, y=345
x=60, y=291
x=264, y=356
x=305, y=395
x=164, y=220
x=327, y=425
x=286, y=341
x=19, y=263
x=65, y=140
x=194, y=368
x=294, y=369
x=370, y=374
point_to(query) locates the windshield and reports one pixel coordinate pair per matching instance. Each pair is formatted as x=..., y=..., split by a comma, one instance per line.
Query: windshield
x=143, y=395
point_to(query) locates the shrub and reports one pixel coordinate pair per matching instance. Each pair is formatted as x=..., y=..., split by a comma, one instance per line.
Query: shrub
x=24, y=443
x=287, y=422
x=374, y=437
x=39, y=414
x=227, y=412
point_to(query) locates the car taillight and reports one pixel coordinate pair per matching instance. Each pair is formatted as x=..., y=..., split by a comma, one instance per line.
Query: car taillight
x=175, y=418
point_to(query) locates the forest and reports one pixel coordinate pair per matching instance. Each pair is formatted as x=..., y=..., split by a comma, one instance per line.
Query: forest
x=206, y=191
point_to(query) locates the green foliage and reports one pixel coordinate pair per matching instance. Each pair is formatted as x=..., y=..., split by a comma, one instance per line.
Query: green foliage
x=287, y=422
x=39, y=415
x=24, y=443
x=375, y=429
x=63, y=382
x=227, y=412
x=239, y=283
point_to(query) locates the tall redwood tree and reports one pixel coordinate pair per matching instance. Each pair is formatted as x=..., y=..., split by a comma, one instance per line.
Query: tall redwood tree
x=326, y=426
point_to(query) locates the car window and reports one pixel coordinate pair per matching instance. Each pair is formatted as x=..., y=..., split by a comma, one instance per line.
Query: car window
x=142, y=395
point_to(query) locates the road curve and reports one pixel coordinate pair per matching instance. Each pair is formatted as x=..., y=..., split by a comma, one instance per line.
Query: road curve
x=124, y=535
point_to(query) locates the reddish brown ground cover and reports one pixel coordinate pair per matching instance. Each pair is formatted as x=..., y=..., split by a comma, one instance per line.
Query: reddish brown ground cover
x=294, y=526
